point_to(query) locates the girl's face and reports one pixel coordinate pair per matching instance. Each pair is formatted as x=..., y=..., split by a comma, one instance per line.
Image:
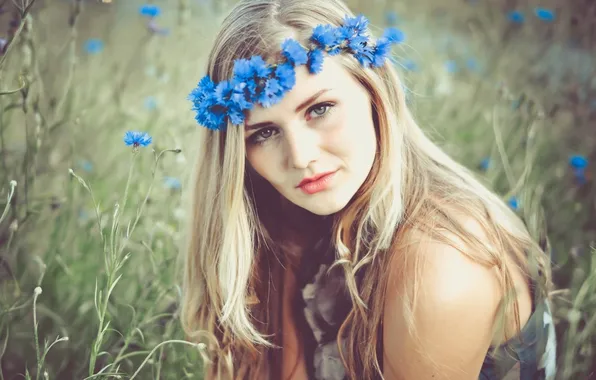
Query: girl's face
x=317, y=146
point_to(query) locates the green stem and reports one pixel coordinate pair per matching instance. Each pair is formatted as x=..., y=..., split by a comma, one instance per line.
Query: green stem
x=39, y=364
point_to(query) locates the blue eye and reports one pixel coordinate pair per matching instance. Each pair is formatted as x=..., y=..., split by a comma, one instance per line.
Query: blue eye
x=320, y=110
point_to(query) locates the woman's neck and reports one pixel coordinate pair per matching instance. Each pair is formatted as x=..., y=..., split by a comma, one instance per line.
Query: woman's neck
x=301, y=230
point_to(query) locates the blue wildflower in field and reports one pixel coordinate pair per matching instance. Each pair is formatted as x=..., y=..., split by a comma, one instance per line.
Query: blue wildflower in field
x=149, y=10
x=172, y=183
x=86, y=165
x=579, y=163
x=516, y=17
x=3, y=43
x=513, y=202
x=451, y=67
x=136, y=139
x=545, y=14
x=485, y=164
x=93, y=46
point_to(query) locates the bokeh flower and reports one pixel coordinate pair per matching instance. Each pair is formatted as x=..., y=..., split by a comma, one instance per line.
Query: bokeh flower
x=149, y=10
x=137, y=139
x=86, y=165
x=451, y=67
x=579, y=163
x=172, y=183
x=485, y=164
x=513, y=202
x=3, y=43
x=516, y=17
x=94, y=46
x=545, y=14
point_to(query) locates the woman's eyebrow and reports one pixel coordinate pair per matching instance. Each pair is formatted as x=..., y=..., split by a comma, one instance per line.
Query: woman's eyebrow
x=302, y=105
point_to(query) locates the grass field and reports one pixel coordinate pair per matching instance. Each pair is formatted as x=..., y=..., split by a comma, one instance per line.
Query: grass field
x=90, y=228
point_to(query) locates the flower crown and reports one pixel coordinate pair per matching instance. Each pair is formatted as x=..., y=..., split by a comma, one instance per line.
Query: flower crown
x=255, y=81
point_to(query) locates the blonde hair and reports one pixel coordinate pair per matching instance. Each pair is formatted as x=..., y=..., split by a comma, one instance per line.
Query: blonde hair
x=231, y=258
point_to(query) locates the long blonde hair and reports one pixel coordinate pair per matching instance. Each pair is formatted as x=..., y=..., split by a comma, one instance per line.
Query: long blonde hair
x=231, y=258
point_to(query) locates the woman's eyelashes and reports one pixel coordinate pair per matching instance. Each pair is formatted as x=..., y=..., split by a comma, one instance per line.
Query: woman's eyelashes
x=317, y=112
x=320, y=110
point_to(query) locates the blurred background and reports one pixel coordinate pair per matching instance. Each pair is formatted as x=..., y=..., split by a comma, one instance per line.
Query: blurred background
x=90, y=227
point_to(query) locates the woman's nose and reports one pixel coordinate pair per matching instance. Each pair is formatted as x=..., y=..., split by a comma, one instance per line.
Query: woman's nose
x=302, y=146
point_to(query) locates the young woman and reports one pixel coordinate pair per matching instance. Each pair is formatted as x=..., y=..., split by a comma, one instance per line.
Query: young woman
x=330, y=238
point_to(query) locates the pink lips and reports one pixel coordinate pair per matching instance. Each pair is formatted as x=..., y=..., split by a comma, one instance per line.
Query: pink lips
x=317, y=183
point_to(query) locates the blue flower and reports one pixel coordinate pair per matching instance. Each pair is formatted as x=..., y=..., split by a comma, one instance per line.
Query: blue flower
x=578, y=162
x=356, y=24
x=394, y=35
x=230, y=97
x=485, y=164
x=366, y=56
x=380, y=52
x=516, y=17
x=149, y=10
x=315, y=61
x=294, y=52
x=213, y=103
x=451, y=66
x=203, y=89
x=136, y=139
x=86, y=165
x=383, y=47
x=251, y=72
x=172, y=183
x=271, y=93
x=93, y=46
x=545, y=14
x=259, y=66
x=286, y=76
x=513, y=202
x=391, y=18
x=323, y=36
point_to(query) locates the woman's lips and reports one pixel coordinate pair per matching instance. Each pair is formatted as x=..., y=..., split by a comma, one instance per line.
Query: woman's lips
x=322, y=183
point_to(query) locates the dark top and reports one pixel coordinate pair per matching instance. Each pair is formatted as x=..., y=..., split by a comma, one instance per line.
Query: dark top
x=323, y=303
